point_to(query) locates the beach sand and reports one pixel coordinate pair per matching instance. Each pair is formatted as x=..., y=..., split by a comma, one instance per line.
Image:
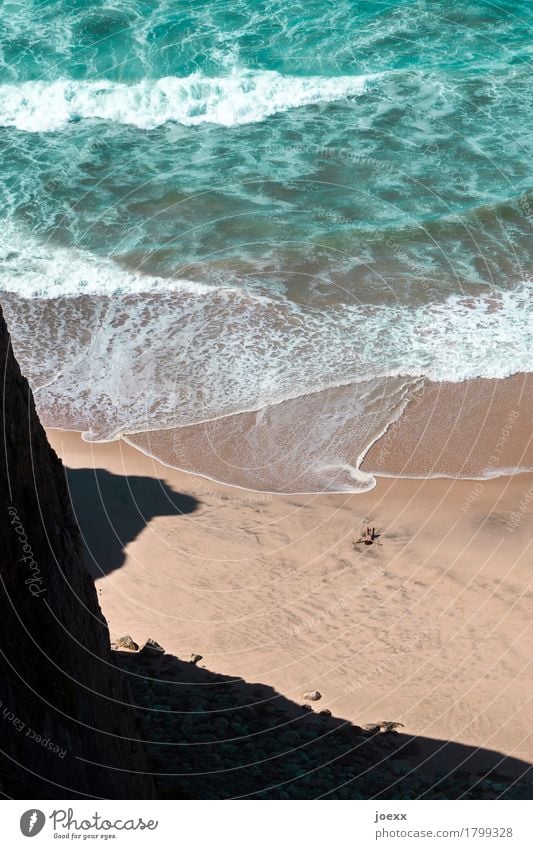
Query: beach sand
x=432, y=628
x=468, y=429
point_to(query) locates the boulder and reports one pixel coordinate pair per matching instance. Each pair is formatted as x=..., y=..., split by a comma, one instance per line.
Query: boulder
x=125, y=643
x=151, y=649
x=387, y=726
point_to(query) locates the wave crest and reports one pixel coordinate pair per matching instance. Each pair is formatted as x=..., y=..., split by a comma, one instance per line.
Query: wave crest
x=242, y=97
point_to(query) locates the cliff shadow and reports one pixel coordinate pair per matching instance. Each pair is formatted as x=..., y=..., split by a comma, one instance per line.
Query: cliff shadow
x=212, y=736
x=112, y=510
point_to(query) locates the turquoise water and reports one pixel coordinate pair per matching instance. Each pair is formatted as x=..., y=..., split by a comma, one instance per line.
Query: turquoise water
x=210, y=209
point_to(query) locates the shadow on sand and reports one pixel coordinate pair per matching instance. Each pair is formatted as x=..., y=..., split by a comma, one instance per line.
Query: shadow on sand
x=210, y=736
x=112, y=510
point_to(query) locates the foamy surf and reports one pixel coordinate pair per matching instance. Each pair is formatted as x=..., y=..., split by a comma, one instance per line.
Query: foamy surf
x=242, y=97
x=127, y=351
x=31, y=268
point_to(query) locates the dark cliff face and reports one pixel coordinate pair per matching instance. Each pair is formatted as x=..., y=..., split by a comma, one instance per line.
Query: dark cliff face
x=65, y=727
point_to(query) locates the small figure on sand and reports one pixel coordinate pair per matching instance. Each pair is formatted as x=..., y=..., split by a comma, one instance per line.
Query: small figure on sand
x=369, y=537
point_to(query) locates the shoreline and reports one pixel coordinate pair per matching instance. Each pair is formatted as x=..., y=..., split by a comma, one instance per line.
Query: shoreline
x=429, y=629
x=126, y=440
x=473, y=431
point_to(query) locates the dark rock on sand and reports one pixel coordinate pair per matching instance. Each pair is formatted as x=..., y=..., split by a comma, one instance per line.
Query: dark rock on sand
x=125, y=643
x=313, y=696
x=151, y=649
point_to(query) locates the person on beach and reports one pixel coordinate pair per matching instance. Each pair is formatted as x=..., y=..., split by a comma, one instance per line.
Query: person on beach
x=369, y=537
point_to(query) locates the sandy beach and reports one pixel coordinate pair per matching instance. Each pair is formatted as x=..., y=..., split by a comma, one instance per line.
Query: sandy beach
x=432, y=628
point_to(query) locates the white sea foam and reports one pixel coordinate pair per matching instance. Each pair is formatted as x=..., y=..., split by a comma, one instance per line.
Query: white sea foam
x=490, y=335
x=32, y=269
x=241, y=97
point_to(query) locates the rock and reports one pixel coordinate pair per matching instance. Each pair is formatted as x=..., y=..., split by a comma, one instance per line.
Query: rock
x=387, y=726
x=125, y=643
x=195, y=658
x=151, y=649
x=325, y=712
x=306, y=707
x=314, y=696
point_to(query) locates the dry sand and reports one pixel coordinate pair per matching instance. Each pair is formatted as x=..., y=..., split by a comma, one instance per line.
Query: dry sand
x=432, y=629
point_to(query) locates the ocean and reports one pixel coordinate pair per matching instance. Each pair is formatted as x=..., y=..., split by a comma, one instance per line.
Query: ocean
x=269, y=220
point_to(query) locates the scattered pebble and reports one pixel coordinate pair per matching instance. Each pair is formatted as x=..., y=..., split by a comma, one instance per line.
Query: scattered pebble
x=314, y=696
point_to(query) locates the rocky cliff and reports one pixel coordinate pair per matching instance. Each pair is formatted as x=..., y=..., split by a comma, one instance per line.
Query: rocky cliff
x=65, y=726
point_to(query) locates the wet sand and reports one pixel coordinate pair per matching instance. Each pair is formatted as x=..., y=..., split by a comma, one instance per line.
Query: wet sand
x=315, y=443
x=433, y=628
x=470, y=429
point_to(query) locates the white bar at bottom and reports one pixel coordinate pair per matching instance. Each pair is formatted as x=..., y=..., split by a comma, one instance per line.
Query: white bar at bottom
x=268, y=824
